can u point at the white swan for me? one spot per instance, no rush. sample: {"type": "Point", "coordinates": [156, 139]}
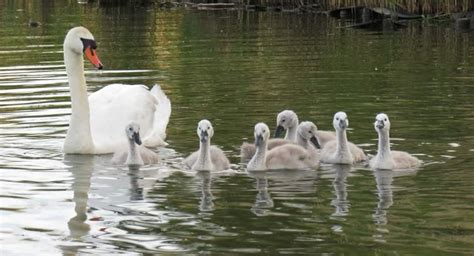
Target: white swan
{"type": "Point", "coordinates": [97, 121]}
{"type": "Point", "coordinates": [341, 151]}
{"type": "Point", "coordinates": [207, 158]}
{"type": "Point", "coordinates": [136, 154]}
{"type": "Point", "coordinates": [386, 158]}
{"type": "Point", "coordinates": [287, 156]}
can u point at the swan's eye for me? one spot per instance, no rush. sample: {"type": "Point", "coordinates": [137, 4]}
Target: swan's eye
{"type": "Point", "coordinates": [208, 128]}
{"type": "Point", "coordinates": [283, 120]}
{"type": "Point", "coordinates": [385, 119]}
{"type": "Point", "coordinates": [337, 118]}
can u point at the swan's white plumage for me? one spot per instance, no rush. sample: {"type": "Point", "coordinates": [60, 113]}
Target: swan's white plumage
{"type": "Point", "coordinates": [97, 121]}
{"type": "Point", "coordinates": [341, 151]}
{"type": "Point", "coordinates": [387, 158]}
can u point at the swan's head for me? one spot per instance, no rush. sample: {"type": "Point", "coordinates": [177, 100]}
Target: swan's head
{"type": "Point", "coordinates": [133, 132]}
{"type": "Point", "coordinates": [261, 133]}
{"type": "Point", "coordinates": [80, 41]}
{"type": "Point", "coordinates": [340, 121]}
{"type": "Point", "coordinates": [205, 130]}
{"type": "Point", "coordinates": [307, 130]}
{"type": "Point", "coordinates": [382, 123]}
{"type": "Point", "coordinates": [285, 120]}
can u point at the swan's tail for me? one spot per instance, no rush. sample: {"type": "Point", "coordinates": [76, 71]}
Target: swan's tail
{"type": "Point", "coordinates": [161, 119]}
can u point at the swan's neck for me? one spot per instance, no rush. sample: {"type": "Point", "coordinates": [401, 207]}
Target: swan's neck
{"type": "Point", "coordinates": [302, 141]}
{"type": "Point", "coordinates": [342, 145]}
{"type": "Point", "coordinates": [204, 157]}
{"type": "Point", "coordinates": [384, 145]}
{"type": "Point", "coordinates": [133, 157]}
{"type": "Point", "coordinates": [78, 138]}
{"type": "Point", "coordinates": [258, 160]}
{"type": "Point", "coordinates": [291, 132]}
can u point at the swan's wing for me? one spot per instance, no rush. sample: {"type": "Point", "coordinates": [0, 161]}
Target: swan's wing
{"type": "Point", "coordinates": [357, 153]}
{"type": "Point", "coordinates": [148, 156]}
{"type": "Point", "coordinates": [328, 151]}
{"type": "Point", "coordinates": [247, 151]}
{"type": "Point", "coordinates": [273, 143]}
{"type": "Point", "coordinates": [287, 156]}
{"type": "Point", "coordinates": [191, 159]}
{"type": "Point", "coordinates": [325, 136]}
{"type": "Point", "coordinates": [219, 160]}
{"type": "Point", "coordinates": [115, 106]}
{"type": "Point", "coordinates": [161, 118]}
{"type": "Point", "coordinates": [120, 157]}
{"type": "Point", "coordinates": [404, 160]}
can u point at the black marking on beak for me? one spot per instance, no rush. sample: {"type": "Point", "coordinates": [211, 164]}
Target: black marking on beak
{"type": "Point", "coordinates": [136, 138]}
{"type": "Point", "coordinates": [258, 140]}
{"type": "Point", "coordinates": [342, 123]}
{"type": "Point", "coordinates": [379, 124]}
{"type": "Point", "coordinates": [279, 130]}
{"type": "Point", "coordinates": [88, 43]}
{"type": "Point", "coordinates": [315, 142]}
{"type": "Point", "coordinates": [204, 136]}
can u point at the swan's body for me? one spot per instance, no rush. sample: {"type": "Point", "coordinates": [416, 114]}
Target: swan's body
{"type": "Point", "coordinates": [325, 137]}
{"type": "Point", "coordinates": [341, 151]}
{"type": "Point", "coordinates": [97, 121]}
{"type": "Point", "coordinates": [386, 158]}
{"type": "Point", "coordinates": [207, 158]}
{"type": "Point", "coordinates": [287, 156]}
{"type": "Point", "coordinates": [136, 154]}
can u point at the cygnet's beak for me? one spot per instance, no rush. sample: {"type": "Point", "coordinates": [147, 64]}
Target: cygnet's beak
{"type": "Point", "coordinates": [315, 142]}
{"type": "Point", "coordinates": [279, 130]}
{"type": "Point", "coordinates": [91, 55]}
{"type": "Point", "coordinates": [379, 124]}
{"type": "Point", "coordinates": [258, 140]}
{"type": "Point", "coordinates": [136, 138]}
{"type": "Point", "coordinates": [204, 136]}
{"type": "Point", "coordinates": [342, 124]}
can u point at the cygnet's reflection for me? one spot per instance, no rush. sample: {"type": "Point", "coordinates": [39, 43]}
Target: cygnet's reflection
{"type": "Point", "coordinates": [340, 202]}
{"type": "Point", "coordinates": [136, 182]}
{"type": "Point", "coordinates": [383, 179]}
{"type": "Point", "coordinates": [206, 201]}
{"type": "Point", "coordinates": [263, 200]}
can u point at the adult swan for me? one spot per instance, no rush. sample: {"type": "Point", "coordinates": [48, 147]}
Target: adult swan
{"type": "Point", "coordinates": [98, 121]}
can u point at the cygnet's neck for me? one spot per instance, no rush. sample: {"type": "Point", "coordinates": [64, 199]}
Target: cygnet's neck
{"type": "Point", "coordinates": [383, 145]}
{"type": "Point", "coordinates": [204, 157]}
{"type": "Point", "coordinates": [78, 138]}
{"type": "Point", "coordinates": [342, 145]}
{"type": "Point", "coordinates": [258, 160]}
{"type": "Point", "coordinates": [291, 131]}
{"type": "Point", "coordinates": [300, 140]}
{"type": "Point", "coordinates": [134, 157]}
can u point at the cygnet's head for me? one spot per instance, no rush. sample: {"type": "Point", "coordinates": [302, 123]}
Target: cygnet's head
{"type": "Point", "coordinates": [205, 130]}
{"type": "Point", "coordinates": [80, 41]}
{"type": "Point", "coordinates": [133, 132]}
{"type": "Point", "coordinates": [261, 133]}
{"type": "Point", "coordinates": [382, 123]}
{"type": "Point", "coordinates": [307, 130]}
{"type": "Point", "coordinates": [285, 120]}
{"type": "Point", "coordinates": [340, 121]}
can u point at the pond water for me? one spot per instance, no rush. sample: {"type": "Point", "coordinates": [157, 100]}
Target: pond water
{"type": "Point", "coordinates": [237, 69]}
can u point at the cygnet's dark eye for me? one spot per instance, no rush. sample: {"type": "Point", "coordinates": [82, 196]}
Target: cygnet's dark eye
{"type": "Point", "coordinates": [130, 129]}
{"type": "Point", "coordinates": [311, 132]}
{"type": "Point", "coordinates": [208, 128]}
{"type": "Point", "coordinates": [337, 118]}
{"type": "Point", "coordinates": [385, 119]}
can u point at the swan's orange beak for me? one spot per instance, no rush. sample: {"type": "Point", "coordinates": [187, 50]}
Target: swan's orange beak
{"type": "Point", "coordinates": [91, 55]}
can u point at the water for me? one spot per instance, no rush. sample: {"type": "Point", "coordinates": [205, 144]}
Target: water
{"type": "Point", "coordinates": [236, 69]}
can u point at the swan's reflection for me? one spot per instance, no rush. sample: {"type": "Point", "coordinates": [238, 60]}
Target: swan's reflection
{"type": "Point", "coordinates": [206, 204]}
{"type": "Point", "coordinates": [340, 202]}
{"type": "Point", "coordinates": [81, 168]}
{"type": "Point", "coordinates": [263, 200]}
{"type": "Point", "coordinates": [383, 179]}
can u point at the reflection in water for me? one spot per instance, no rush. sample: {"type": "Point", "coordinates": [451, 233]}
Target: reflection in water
{"type": "Point", "coordinates": [263, 200]}
{"type": "Point", "coordinates": [384, 179]}
{"type": "Point", "coordinates": [342, 205]}
{"type": "Point", "coordinates": [81, 168]}
{"type": "Point", "coordinates": [206, 204]}
{"type": "Point", "coordinates": [136, 188]}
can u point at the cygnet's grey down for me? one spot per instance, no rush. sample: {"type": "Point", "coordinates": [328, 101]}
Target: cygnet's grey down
{"type": "Point", "coordinates": [287, 156]}
{"type": "Point", "coordinates": [341, 151]}
{"type": "Point", "coordinates": [386, 158]}
{"type": "Point", "coordinates": [287, 120]}
{"type": "Point", "coordinates": [136, 154]}
{"type": "Point", "coordinates": [207, 158]}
